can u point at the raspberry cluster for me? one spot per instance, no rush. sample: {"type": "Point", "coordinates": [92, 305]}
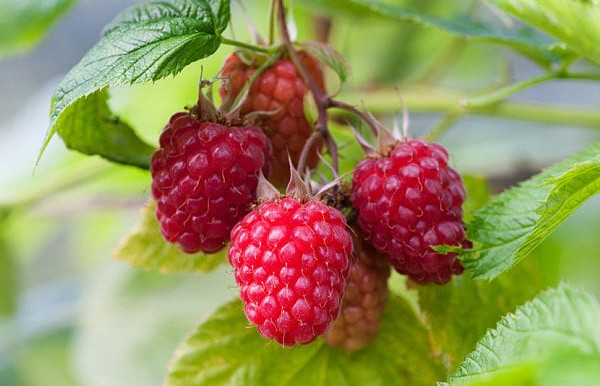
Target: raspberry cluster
{"type": "Point", "coordinates": [301, 270]}
{"type": "Point", "coordinates": [291, 261]}
{"type": "Point", "coordinates": [408, 201]}
{"type": "Point", "coordinates": [278, 92]}
{"type": "Point", "coordinates": [204, 178]}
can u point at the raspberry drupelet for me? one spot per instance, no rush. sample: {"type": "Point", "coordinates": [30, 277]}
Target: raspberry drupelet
{"type": "Point", "coordinates": [204, 178]}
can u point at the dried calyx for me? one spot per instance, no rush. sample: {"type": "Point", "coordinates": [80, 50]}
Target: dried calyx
{"type": "Point", "coordinates": [205, 110]}
{"type": "Point", "coordinates": [386, 140]}
{"type": "Point", "coordinates": [302, 189]}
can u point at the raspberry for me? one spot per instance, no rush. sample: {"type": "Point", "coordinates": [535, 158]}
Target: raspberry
{"type": "Point", "coordinates": [278, 91]}
{"type": "Point", "coordinates": [204, 177]}
{"type": "Point", "coordinates": [364, 299]}
{"type": "Point", "coordinates": [291, 261]}
{"type": "Point", "coordinates": [409, 201]}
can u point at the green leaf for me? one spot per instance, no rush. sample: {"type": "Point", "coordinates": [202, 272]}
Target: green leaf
{"type": "Point", "coordinates": [575, 22]}
{"type": "Point", "coordinates": [511, 225]}
{"type": "Point", "coordinates": [145, 248]}
{"type": "Point", "coordinates": [147, 42]}
{"type": "Point", "coordinates": [559, 322]}
{"type": "Point", "coordinates": [478, 194]}
{"type": "Point", "coordinates": [225, 350]}
{"type": "Point", "coordinates": [569, 191]}
{"type": "Point", "coordinates": [23, 24]}
{"type": "Point", "coordinates": [330, 57]}
{"type": "Point", "coordinates": [524, 40]}
{"type": "Point", "coordinates": [91, 128]}
{"type": "Point", "coordinates": [460, 312]}
{"type": "Point", "coordinates": [8, 281]}
{"type": "Point", "coordinates": [572, 368]}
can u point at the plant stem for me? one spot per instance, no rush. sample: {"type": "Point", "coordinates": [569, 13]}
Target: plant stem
{"type": "Point", "coordinates": [372, 123]}
{"type": "Point", "coordinates": [321, 100]}
{"type": "Point", "coordinates": [248, 46]}
{"type": "Point", "coordinates": [503, 92]}
{"type": "Point", "coordinates": [312, 140]}
{"type": "Point", "coordinates": [436, 100]}
{"type": "Point", "coordinates": [310, 82]}
{"type": "Point", "coordinates": [577, 76]}
{"type": "Point", "coordinates": [553, 115]}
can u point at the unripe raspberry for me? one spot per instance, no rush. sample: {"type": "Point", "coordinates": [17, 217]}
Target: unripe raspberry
{"type": "Point", "coordinates": [279, 92]}
{"type": "Point", "coordinates": [204, 177]}
{"type": "Point", "coordinates": [364, 299]}
{"type": "Point", "coordinates": [291, 261]}
{"type": "Point", "coordinates": [408, 201]}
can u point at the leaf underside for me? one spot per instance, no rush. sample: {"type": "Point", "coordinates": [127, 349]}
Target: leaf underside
{"type": "Point", "coordinates": [574, 22]}
{"type": "Point", "coordinates": [524, 40]}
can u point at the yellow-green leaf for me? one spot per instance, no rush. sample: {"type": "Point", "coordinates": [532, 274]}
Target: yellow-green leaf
{"type": "Point", "coordinates": [145, 248]}
{"type": "Point", "coordinates": [226, 350]}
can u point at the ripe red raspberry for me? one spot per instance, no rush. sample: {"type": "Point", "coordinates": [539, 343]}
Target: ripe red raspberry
{"type": "Point", "coordinates": [204, 177]}
{"type": "Point", "coordinates": [279, 90]}
{"type": "Point", "coordinates": [408, 201]}
{"type": "Point", "coordinates": [291, 263]}
{"type": "Point", "coordinates": [365, 297]}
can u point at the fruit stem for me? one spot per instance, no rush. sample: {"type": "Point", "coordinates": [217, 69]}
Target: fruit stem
{"type": "Point", "coordinates": [248, 46]}
{"type": "Point", "coordinates": [310, 82]}
{"type": "Point", "coordinates": [372, 123]}
{"type": "Point", "coordinates": [310, 142]}
{"type": "Point", "coordinates": [321, 100]}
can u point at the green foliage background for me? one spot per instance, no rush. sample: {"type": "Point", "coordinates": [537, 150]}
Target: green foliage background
{"type": "Point", "coordinates": [71, 315]}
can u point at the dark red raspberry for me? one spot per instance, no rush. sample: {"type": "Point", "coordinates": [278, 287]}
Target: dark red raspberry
{"type": "Point", "coordinates": [279, 91]}
{"type": "Point", "coordinates": [204, 177]}
{"type": "Point", "coordinates": [291, 262]}
{"type": "Point", "coordinates": [365, 297]}
{"type": "Point", "coordinates": [409, 201]}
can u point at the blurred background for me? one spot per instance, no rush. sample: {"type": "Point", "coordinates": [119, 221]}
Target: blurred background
{"type": "Point", "coordinates": [70, 314]}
